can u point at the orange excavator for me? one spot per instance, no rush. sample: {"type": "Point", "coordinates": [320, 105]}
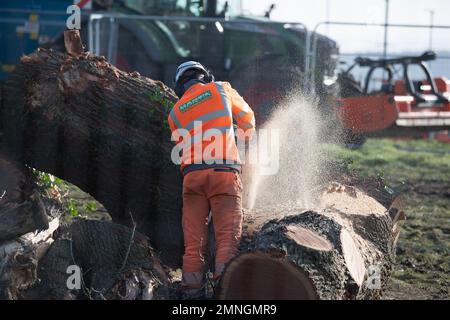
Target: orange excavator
{"type": "Point", "coordinates": [399, 106]}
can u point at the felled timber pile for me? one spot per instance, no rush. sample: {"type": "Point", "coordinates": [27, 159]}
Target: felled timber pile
{"type": "Point", "coordinates": [77, 117]}
{"type": "Point", "coordinates": [37, 250]}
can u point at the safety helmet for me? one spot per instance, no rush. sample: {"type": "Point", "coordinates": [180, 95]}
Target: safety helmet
{"type": "Point", "coordinates": [189, 65]}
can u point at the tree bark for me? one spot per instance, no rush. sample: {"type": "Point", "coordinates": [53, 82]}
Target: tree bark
{"type": "Point", "coordinates": [19, 261]}
{"type": "Point", "coordinates": [21, 208]}
{"type": "Point", "coordinates": [343, 250]}
{"type": "Point", "coordinates": [104, 130]}
{"type": "Point", "coordinates": [72, 42]}
{"type": "Point", "coordinates": [115, 263]}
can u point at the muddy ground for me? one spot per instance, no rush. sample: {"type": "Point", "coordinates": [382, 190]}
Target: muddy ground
{"type": "Point", "coordinates": [418, 169]}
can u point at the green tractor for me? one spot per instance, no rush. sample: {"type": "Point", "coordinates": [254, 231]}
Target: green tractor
{"type": "Point", "coordinates": [262, 59]}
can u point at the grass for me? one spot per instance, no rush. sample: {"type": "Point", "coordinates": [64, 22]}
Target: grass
{"type": "Point", "coordinates": [420, 170]}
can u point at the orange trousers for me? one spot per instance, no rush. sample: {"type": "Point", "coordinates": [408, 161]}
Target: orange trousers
{"type": "Point", "coordinates": [218, 190]}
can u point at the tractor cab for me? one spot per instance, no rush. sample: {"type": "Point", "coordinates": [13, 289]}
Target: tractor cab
{"type": "Point", "coordinates": [186, 31]}
{"type": "Point", "coordinates": [396, 96]}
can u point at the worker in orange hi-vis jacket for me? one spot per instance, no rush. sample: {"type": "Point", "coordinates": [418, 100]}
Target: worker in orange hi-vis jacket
{"type": "Point", "coordinates": [202, 126]}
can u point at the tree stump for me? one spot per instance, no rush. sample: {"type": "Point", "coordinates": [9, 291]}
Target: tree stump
{"type": "Point", "coordinates": [343, 250]}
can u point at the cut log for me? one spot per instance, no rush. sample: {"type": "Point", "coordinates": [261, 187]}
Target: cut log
{"type": "Point", "coordinates": [83, 120]}
{"type": "Point", "coordinates": [343, 250]}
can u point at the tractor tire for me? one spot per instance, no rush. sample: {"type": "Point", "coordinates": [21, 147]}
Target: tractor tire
{"type": "Point", "coordinates": [265, 83]}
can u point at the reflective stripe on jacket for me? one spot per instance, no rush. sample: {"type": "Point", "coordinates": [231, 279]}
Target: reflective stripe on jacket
{"type": "Point", "coordinates": [205, 116]}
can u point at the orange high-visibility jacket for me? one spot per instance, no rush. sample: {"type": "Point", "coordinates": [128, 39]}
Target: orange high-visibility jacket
{"type": "Point", "coordinates": [202, 125]}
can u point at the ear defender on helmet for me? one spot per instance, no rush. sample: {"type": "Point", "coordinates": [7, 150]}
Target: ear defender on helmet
{"type": "Point", "coordinates": [179, 90]}
{"type": "Point", "coordinates": [209, 77]}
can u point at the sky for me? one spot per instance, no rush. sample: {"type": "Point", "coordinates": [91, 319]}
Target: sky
{"type": "Point", "coordinates": [366, 38]}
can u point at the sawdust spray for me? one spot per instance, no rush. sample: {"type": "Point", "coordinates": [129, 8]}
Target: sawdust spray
{"type": "Point", "coordinates": [300, 166]}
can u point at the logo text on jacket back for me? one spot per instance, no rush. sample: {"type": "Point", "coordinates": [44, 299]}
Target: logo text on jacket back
{"type": "Point", "coordinates": [197, 100]}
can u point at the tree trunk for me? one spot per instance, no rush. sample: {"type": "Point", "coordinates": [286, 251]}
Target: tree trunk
{"type": "Point", "coordinates": [343, 250]}
{"type": "Point", "coordinates": [104, 130]}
